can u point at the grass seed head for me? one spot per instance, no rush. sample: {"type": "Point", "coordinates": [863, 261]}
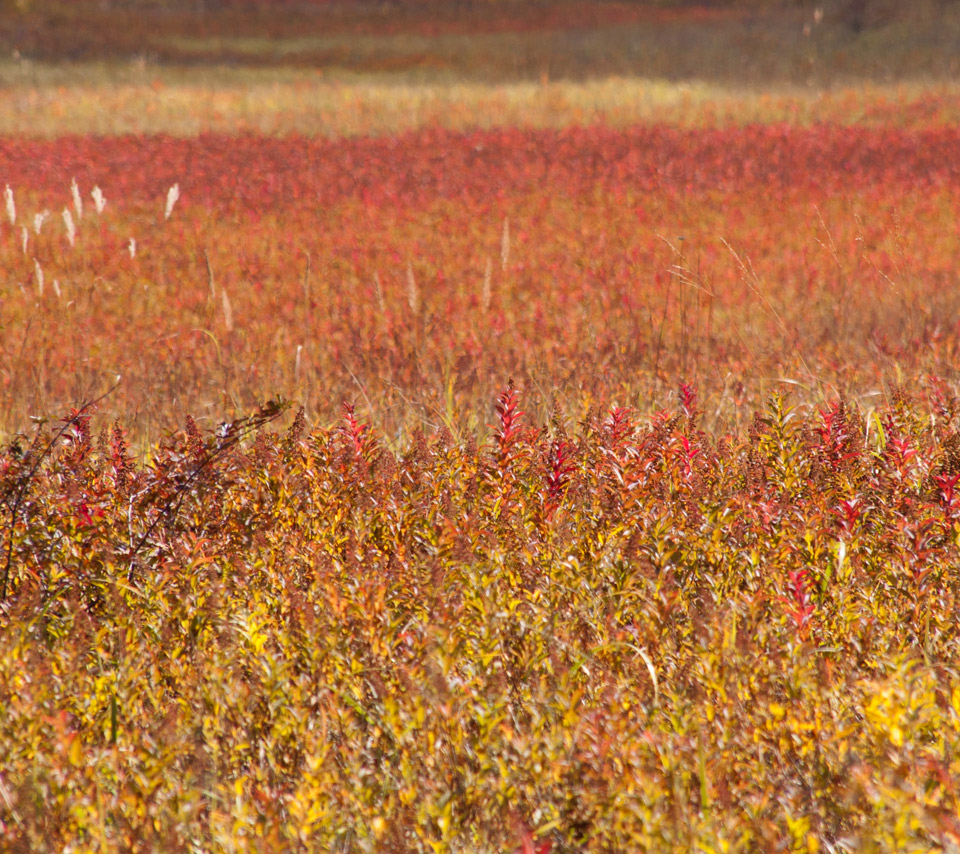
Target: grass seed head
{"type": "Point", "coordinates": [413, 293]}
{"type": "Point", "coordinates": [77, 199]}
{"type": "Point", "coordinates": [99, 202]}
{"type": "Point", "coordinates": [227, 310]}
{"type": "Point", "coordinates": [11, 206]}
{"type": "Point", "coordinates": [70, 227]}
{"type": "Point", "coordinates": [172, 195]}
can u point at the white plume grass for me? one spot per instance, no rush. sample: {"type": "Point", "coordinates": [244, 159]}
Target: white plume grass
{"type": "Point", "coordinates": [172, 195]}
{"type": "Point", "coordinates": [11, 207]}
{"type": "Point", "coordinates": [77, 200]}
{"type": "Point", "coordinates": [70, 227]}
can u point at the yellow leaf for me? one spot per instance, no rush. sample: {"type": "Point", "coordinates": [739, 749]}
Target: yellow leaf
{"type": "Point", "coordinates": [75, 751]}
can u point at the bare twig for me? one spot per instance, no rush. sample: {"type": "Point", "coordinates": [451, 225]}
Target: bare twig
{"type": "Point", "coordinates": [228, 437]}
{"type": "Point", "coordinates": [23, 483]}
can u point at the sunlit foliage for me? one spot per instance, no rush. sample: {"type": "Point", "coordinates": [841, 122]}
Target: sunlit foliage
{"type": "Point", "coordinates": [617, 507]}
{"type": "Point", "coordinates": [621, 634]}
{"type": "Point", "coordinates": [415, 274]}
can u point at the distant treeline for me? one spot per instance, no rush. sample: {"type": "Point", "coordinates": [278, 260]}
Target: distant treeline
{"type": "Point", "coordinates": [856, 14]}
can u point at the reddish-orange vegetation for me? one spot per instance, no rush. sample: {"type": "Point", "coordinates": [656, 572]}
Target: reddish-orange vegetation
{"type": "Point", "coordinates": [415, 273]}
{"type": "Point", "coordinates": [689, 584]}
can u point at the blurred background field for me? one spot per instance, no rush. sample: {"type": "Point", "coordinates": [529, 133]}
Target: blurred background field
{"type": "Point", "coordinates": [363, 67]}
{"type": "Point", "coordinates": [47, 101]}
{"type": "Point", "coordinates": [757, 42]}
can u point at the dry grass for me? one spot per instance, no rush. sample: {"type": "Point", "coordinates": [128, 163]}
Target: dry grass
{"type": "Point", "coordinates": [50, 101]}
{"type": "Point", "coordinates": [351, 70]}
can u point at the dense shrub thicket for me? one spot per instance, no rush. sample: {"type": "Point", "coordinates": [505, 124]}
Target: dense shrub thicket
{"type": "Point", "coordinates": [619, 635]}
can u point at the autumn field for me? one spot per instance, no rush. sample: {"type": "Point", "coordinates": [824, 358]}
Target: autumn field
{"type": "Point", "coordinates": [399, 456]}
